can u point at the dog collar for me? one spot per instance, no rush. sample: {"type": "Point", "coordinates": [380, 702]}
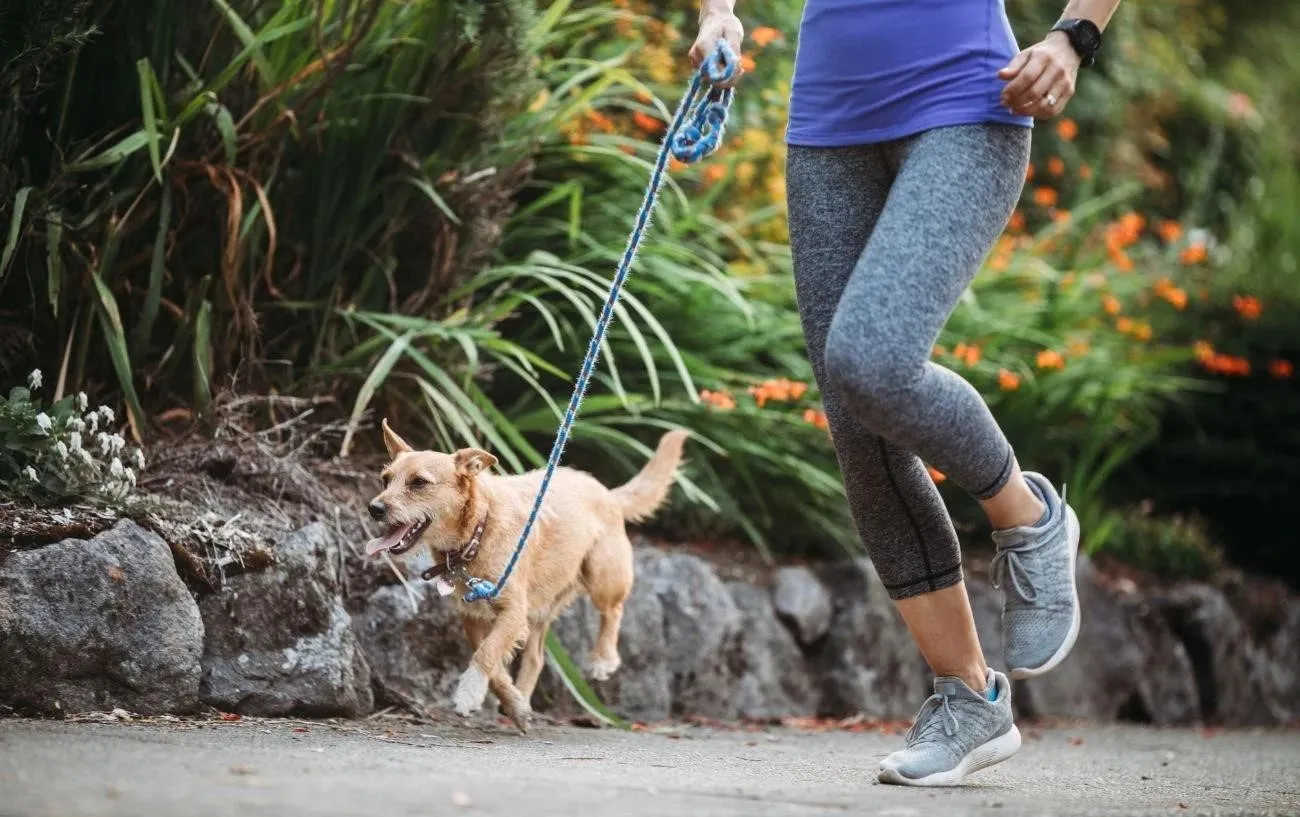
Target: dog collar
{"type": "Point", "coordinates": [456, 560]}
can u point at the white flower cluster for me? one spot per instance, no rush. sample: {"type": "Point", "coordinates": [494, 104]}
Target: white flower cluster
{"type": "Point", "coordinates": [82, 458]}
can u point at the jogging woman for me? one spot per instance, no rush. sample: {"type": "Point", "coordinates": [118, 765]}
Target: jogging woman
{"type": "Point", "coordinates": [908, 143]}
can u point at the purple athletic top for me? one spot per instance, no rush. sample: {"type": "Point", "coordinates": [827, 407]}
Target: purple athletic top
{"type": "Point", "coordinates": [873, 70]}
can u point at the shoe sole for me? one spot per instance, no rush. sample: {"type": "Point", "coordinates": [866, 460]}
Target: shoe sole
{"type": "Point", "coordinates": [981, 757]}
{"type": "Point", "coordinates": [1021, 673]}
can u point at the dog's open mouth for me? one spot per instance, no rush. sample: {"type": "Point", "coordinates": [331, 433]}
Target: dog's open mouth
{"type": "Point", "coordinates": [399, 539]}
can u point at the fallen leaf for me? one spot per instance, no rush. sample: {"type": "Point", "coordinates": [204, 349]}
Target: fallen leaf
{"type": "Point", "coordinates": [241, 769]}
{"type": "Point", "coordinates": [231, 716]}
{"type": "Point", "coordinates": [301, 729]}
{"type": "Point", "coordinates": [1182, 806]}
{"type": "Point", "coordinates": [1076, 741]}
{"type": "Point", "coordinates": [115, 573]}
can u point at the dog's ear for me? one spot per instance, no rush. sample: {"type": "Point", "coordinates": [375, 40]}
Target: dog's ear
{"type": "Point", "coordinates": [395, 444]}
{"type": "Point", "coordinates": [470, 461]}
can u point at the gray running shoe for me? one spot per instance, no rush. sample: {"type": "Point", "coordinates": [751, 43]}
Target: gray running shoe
{"type": "Point", "coordinates": [957, 732]}
{"type": "Point", "coordinates": [1034, 567]}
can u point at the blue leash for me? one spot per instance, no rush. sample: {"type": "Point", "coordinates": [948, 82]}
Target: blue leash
{"type": "Point", "coordinates": [695, 132]}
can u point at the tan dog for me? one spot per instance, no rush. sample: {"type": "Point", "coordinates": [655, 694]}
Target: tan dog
{"type": "Point", "coordinates": [470, 518]}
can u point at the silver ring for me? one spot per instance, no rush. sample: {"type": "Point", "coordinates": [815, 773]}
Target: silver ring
{"type": "Point", "coordinates": [1051, 101]}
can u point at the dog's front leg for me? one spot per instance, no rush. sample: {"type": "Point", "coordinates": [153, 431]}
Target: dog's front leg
{"type": "Point", "coordinates": [488, 665]}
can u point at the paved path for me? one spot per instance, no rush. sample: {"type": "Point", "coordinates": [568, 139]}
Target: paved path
{"type": "Point", "coordinates": [288, 768]}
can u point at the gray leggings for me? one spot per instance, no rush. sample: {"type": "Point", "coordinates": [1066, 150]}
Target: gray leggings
{"type": "Point", "coordinates": [885, 239]}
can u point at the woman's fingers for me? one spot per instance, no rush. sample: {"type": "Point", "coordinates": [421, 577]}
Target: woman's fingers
{"type": "Point", "coordinates": [1039, 86]}
{"type": "Point", "coordinates": [1033, 100]}
{"type": "Point", "coordinates": [712, 29]}
{"type": "Point", "coordinates": [1024, 78]}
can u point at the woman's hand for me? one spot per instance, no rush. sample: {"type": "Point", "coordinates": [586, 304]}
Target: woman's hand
{"type": "Point", "coordinates": [1040, 79]}
{"type": "Point", "coordinates": [718, 25]}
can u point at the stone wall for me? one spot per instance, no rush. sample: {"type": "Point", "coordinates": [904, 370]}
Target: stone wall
{"type": "Point", "coordinates": [106, 622]}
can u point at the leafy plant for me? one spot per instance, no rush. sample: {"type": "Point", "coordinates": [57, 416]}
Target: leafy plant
{"type": "Point", "coordinates": [63, 452]}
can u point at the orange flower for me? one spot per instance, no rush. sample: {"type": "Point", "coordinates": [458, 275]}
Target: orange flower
{"type": "Point", "coordinates": [1194, 254]}
{"type": "Point", "coordinates": [1056, 166]}
{"type": "Point", "coordinates": [935, 474]}
{"type": "Point", "coordinates": [719, 400]}
{"type": "Point", "coordinates": [1170, 231]}
{"type": "Point", "coordinates": [779, 390]}
{"type": "Point", "coordinates": [1029, 172]}
{"type": "Point", "coordinates": [1045, 197]}
{"type": "Point", "coordinates": [1239, 105]}
{"type": "Point", "coordinates": [938, 351]}
{"type": "Point", "coordinates": [1125, 325]}
{"type": "Point", "coordinates": [1085, 172]}
{"type": "Point", "coordinates": [1281, 369]}
{"type": "Point", "coordinates": [715, 173]}
{"type": "Point", "coordinates": [764, 36]}
{"type": "Point", "coordinates": [1203, 351]}
{"type": "Point", "coordinates": [815, 418]}
{"type": "Point", "coordinates": [1142, 331]}
{"type": "Point", "coordinates": [747, 63]}
{"type": "Point", "coordinates": [675, 164]}
{"type": "Point", "coordinates": [1176, 297]}
{"type": "Point", "coordinates": [1008, 381]}
{"type": "Point", "coordinates": [1067, 129]}
{"type": "Point", "coordinates": [1111, 304]}
{"type": "Point", "coordinates": [970, 355]}
{"type": "Point", "coordinates": [1050, 359]}
{"type": "Point", "coordinates": [1247, 306]}
{"type": "Point", "coordinates": [600, 121]}
{"type": "Point", "coordinates": [1079, 348]}
{"type": "Point", "coordinates": [1229, 365]}
{"type": "Point", "coordinates": [1061, 216]}
{"type": "Point", "coordinates": [647, 123]}
{"type": "Point", "coordinates": [1017, 222]}
{"type": "Point", "coordinates": [1122, 261]}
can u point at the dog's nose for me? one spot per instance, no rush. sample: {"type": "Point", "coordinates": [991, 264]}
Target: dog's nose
{"type": "Point", "coordinates": [378, 510]}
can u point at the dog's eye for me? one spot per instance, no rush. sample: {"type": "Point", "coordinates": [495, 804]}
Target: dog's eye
{"type": "Point", "coordinates": [384, 479]}
{"type": "Point", "coordinates": [417, 483]}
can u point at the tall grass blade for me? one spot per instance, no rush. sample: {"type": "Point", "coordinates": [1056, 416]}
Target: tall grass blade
{"type": "Point", "coordinates": [15, 229]}
{"type": "Point", "coordinates": [571, 676]}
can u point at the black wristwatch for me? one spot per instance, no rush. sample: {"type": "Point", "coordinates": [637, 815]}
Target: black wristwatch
{"type": "Point", "coordinates": [1084, 37]}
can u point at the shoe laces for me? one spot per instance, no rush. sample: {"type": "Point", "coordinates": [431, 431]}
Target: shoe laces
{"type": "Point", "coordinates": [936, 714]}
{"type": "Point", "coordinates": [1008, 564]}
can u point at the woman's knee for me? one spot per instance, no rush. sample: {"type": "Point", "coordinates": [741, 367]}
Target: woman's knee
{"type": "Point", "coordinates": [868, 372]}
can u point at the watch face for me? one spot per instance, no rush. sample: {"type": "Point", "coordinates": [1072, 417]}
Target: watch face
{"type": "Point", "coordinates": [1089, 36]}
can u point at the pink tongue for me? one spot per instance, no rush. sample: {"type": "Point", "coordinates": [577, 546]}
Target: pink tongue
{"type": "Point", "coordinates": [385, 542]}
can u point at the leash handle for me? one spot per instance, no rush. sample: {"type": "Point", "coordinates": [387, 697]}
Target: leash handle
{"type": "Point", "coordinates": [695, 132]}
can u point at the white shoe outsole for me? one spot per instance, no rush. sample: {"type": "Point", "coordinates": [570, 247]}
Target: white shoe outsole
{"type": "Point", "coordinates": [981, 757]}
{"type": "Point", "coordinates": [1021, 673]}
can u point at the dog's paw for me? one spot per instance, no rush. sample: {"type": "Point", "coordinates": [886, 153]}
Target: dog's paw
{"type": "Point", "coordinates": [470, 692]}
{"type": "Point", "coordinates": [599, 668]}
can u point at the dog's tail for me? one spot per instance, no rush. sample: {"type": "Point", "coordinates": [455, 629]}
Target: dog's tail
{"type": "Point", "coordinates": [645, 492]}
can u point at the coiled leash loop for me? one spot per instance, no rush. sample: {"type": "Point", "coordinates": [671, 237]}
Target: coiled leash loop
{"type": "Point", "coordinates": [695, 132]}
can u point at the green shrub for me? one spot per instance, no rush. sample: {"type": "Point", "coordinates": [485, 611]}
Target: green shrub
{"type": "Point", "coordinates": [63, 452]}
{"type": "Point", "coordinates": [1172, 547]}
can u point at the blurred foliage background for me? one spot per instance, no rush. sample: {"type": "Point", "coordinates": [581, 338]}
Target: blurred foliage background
{"type": "Point", "coordinates": [415, 207]}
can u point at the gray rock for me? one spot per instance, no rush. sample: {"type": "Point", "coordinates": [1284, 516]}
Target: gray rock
{"type": "Point", "coordinates": [701, 632]}
{"type": "Point", "coordinates": [1126, 665]}
{"type": "Point", "coordinates": [775, 681]}
{"type": "Point", "coordinates": [642, 688]}
{"type": "Point", "coordinates": [279, 641]}
{"type": "Point", "coordinates": [414, 655]}
{"type": "Point", "coordinates": [97, 624]}
{"type": "Point", "coordinates": [867, 663]}
{"type": "Point", "coordinates": [1282, 650]}
{"type": "Point", "coordinates": [1231, 670]}
{"type": "Point", "coordinates": [802, 602]}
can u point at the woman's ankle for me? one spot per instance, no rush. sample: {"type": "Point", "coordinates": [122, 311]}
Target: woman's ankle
{"type": "Point", "coordinates": [1016, 505]}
